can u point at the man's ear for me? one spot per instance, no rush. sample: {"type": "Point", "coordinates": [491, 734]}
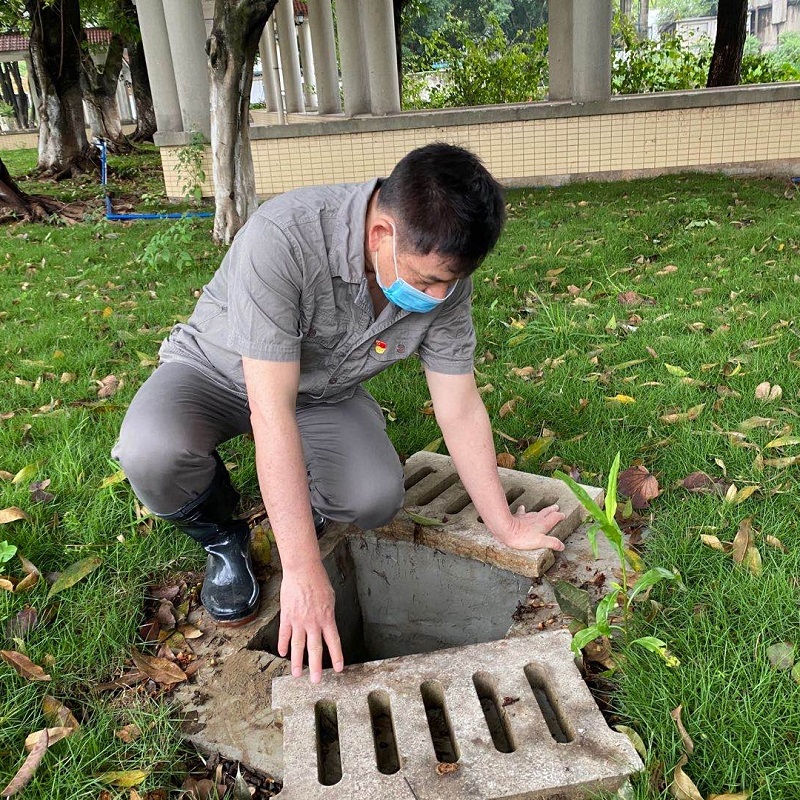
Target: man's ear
{"type": "Point", "coordinates": [380, 226]}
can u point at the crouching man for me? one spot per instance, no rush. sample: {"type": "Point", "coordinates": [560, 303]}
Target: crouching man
{"type": "Point", "coordinates": [323, 288]}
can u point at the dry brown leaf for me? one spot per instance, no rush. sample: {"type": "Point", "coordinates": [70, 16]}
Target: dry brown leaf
{"type": "Point", "coordinates": [728, 796]}
{"type": "Point", "coordinates": [688, 744]}
{"type": "Point", "coordinates": [508, 407]}
{"type": "Point", "coordinates": [53, 735]}
{"type": "Point", "coordinates": [446, 768]}
{"type": "Point", "coordinates": [6, 476]}
{"type": "Point", "coordinates": [11, 514]}
{"type": "Point", "coordinates": [752, 561]}
{"type": "Point", "coordinates": [768, 393]}
{"type": "Point", "coordinates": [787, 461]}
{"type": "Point", "coordinates": [24, 666]}
{"type": "Point", "coordinates": [713, 542]}
{"type": "Point", "coordinates": [108, 386]}
{"type": "Point", "coordinates": [743, 539]}
{"type": "Point", "coordinates": [638, 484]}
{"type": "Point", "coordinates": [57, 714]}
{"type": "Point", "coordinates": [161, 670]}
{"type": "Point", "coordinates": [629, 298]}
{"type": "Point", "coordinates": [698, 482]}
{"type": "Point", "coordinates": [668, 270]}
{"type": "Point", "coordinates": [506, 460]}
{"type": "Point", "coordinates": [684, 416]}
{"type": "Point", "coordinates": [31, 575]}
{"type": "Point", "coordinates": [29, 767]}
{"type": "Point", "coordinates": [128, 733]}
{"type": "Point", "coordinates": [774, 541]}
{"type": "Point", "coordinates": [682, 786]}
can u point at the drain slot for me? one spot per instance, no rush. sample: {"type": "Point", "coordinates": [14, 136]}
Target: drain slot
{"type": "Point", "coordinates": [441, 730]}
{"type": "Point", "coordinates": [438, 488]}
{"type": "Point", "coordinates": [459, 504]}
{"type": "Point", "coordinates": [387, 758]}
{"type": "Point", "coordinates": [548, 705]}
{"type": "Point", "coordinates": [493, 711]}
{"type": "Point", "coordinates": [416, 477]}
{"type": "Point", "coordinates": [329, 757]}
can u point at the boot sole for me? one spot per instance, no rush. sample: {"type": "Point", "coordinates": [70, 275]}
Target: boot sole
{"type": "Point", "coordinates": [235, 623]}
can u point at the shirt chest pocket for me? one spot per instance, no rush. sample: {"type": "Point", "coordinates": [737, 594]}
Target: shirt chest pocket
{"type": "Point", "coordinates": [324, 332]}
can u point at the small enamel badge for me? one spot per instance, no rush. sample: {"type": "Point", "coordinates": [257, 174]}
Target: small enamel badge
{"type": "Point", "coordinates": [380, 347]}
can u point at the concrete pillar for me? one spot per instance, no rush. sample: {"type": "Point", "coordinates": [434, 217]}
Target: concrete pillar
{"type": "Point", "coordinates": [272, 68]}
{"type": "Point", "coordinates": [559, 51]}
{"type": "Point", "coordinates": [323, 46]}
{"type": "Point", "coordinates": [352, 51]}
{"type": "Point", "coordinates": [158, 56]}
{"type": "Point", "coordinates": [290, 58]}
{"type": "Point", "coordinates": [307, 58]}
{"type": "Point", "coordinates": [378, 28]}
{"type": "Point", "coordinates": [579, 34]}
{"type": "Point", "coordinates": [591, 50]}
{"type": "Point", "coordinates": [272, 98]}
{"type": "Point", "coordinates": [186, 28]}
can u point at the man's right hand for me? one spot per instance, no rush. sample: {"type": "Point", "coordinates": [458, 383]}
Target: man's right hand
{"type": "Point", "coordinates": [307, 618]}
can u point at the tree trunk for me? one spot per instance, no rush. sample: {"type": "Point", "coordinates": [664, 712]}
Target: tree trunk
{"type": "Point", "coordinates": [16, 205]}
{"type": "Point", "coordinates": [145, 112]}
{"type": "Point", "coordinates": [231, 49]}
{"type": "Point", "coordinates": [99, 84]}
{"type": "Point", "coordinates": [7, 95]}
{"type": "Point", "coordinates": [626, 7]}
{"type": "Point", "coordinates": [55, 55]}
{"type": "Point", "coordinates": [25, 116]}
{"type": "Point", "coordinates": [726, 63]}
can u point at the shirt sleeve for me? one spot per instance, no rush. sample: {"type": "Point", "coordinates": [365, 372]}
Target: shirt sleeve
{"type": "Point", "coordinates": [264, 287]}
{"type": "Point", "coordinates": [449, 344]}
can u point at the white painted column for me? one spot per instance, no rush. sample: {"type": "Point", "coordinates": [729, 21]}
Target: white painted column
{"type": "Point", "coordinates": [352, 51]}
{"type": "Point", "coordinates": [323, 46]}
{"type": "Point", "coordinates": [270, 65]}
{"type": "Point", "coordinates": [378, 31]}
{"type": "Point", "coordinates": [307, 64]}
{"type": "Point", "coordinates": [579, 34]}
{"type": "Point", "coordinates": [186, 29]}
{"type": "Point", "coordinates": [158, 56]}
{"type": "Point", "coordinates": [290, 58]}
{"type": "Point", "coordinates": [271, 99]}
{"type": "Point", "coordinates": [591, 50]}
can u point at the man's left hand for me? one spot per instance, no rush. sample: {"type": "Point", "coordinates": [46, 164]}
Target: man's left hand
{"type": "Point", "coordinates": [528, 530]}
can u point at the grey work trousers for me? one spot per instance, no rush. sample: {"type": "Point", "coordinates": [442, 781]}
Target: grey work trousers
{"type": "Point", "coordinates": [179, 416]}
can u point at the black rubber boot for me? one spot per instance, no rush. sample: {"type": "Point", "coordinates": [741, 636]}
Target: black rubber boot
{"type": "Point", "coordinates": [230, 591]}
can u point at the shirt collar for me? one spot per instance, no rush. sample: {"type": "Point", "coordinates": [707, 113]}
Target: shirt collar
{"type": "Point", "coordinates": [347, 252]}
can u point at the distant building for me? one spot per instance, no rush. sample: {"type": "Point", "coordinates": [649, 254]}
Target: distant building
{"type": "Point", "coordinates": [767, 19]}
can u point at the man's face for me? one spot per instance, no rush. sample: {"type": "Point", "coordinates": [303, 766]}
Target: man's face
{"type": "Point", "coordinates": [430, 273]}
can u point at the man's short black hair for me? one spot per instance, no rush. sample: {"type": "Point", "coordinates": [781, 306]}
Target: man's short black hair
{"type": "Point", "coordinates": [445, 201]}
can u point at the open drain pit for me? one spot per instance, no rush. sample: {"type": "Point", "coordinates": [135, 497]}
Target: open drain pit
{"type": "Point", "coordinates": [394, 598]}
{"type": "Point", "coordinates": [446, 694]}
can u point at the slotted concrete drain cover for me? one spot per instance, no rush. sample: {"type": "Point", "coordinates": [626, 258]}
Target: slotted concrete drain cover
{"type": "Point", "coordinates": [434, 490]}
{"type": "Point", "coordinates": [506, 719]}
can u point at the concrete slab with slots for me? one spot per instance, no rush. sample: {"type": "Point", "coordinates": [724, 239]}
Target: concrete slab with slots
{"type": "Point", "coordinates": [403, 589]}
{"type": "Point", "coordinates": [511, 718]}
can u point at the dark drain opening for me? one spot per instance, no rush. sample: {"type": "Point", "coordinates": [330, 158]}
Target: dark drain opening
{"type": "Point", "coordinates": [439, 725]}
{"type": "Point", "coordinates": [493, 711]}
{"type": "Point", "coordinates": [416, 477]}
{"type": "Point", "coordinates": [329, 757]}
{"type": "Point", "coordinates": [548, 705]}
{"type": "Point", "coordinates": [383, 736]}
{"type": "Point", "coordinates": [440, 487]}
{"type": "Point", "coordinates": [395, 598]}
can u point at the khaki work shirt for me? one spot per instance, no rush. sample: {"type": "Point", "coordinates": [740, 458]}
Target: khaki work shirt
{"type": "Point", "coordinates": [292, 287]}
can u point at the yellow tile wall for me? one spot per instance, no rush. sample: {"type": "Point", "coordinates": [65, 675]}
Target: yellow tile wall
{"type": "Point", "coordinates": [539, 150]}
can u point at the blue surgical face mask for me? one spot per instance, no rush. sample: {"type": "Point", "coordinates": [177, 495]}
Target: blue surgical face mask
{"type": "Point", "coordinates": [403, 294]}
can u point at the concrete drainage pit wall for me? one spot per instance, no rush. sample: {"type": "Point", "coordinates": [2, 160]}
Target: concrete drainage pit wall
{"type": "Point", "coordinates": [395, 598]}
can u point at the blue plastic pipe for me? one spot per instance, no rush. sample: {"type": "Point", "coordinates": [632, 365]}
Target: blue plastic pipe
{"type": "Point", "coordinates": [111, 215]}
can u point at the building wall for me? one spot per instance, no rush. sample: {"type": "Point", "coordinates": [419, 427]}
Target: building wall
{"type": "Point", "coordinates": [753, 130]}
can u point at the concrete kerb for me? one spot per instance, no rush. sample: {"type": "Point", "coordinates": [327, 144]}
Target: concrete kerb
{"type": "Point", "coordinates": [228, 708]}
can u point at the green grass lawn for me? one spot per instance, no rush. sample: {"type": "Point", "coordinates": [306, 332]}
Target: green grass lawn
{"type": "Point", "coordinates": [714, 263]}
